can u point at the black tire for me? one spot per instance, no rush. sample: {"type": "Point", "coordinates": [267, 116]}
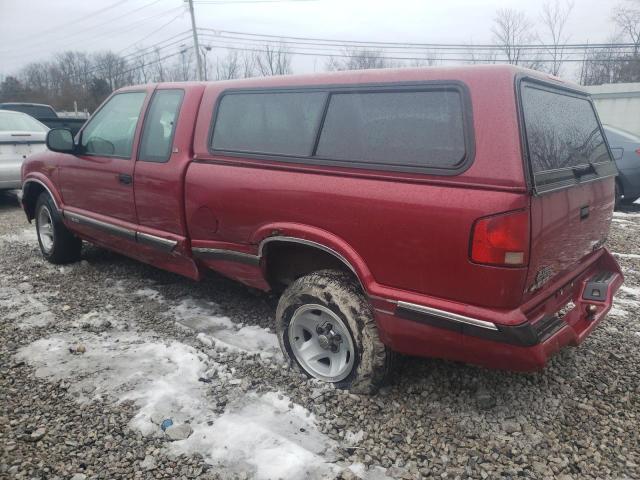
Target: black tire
{"type": "Point", "coordinates": [340, 293]}
{"type": "Point", "coordinates": [65, 247]}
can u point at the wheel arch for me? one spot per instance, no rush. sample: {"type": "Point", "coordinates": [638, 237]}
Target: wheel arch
{"type": "Point", "coordinates": [312, 253]}
{"type": "Point", "coordinates": [31, 190]}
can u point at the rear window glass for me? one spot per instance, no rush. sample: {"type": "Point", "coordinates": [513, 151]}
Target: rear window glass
{"type": "Point", "coordinates": [19, 122]}
{"type": "Point", "coordinates": [562, 130]}
{"type": "Point", "coordinates": [36, 111]}
{"type": "Point", "coordinates": [268, 123]}
{"type": "Point", "coordinates": [417, 129]}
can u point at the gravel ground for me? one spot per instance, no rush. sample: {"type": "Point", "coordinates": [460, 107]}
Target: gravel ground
{"type": "Point", "coordinates": [94, 355]}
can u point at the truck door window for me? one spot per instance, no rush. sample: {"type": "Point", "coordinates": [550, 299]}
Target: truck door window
{"type": "Point", "coordinates": [111, 130]}
{"type": "Point", "coordinates": [159, 126]}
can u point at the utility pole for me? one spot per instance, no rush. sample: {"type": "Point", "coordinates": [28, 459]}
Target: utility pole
{"type": "Point", "coordinates": [195, 39]}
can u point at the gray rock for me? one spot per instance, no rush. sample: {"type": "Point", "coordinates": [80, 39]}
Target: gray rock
{"type": "Point", "coordinates": [179, 432]}
{"type": "Point", "coordinates": [485, 400]}
{"type": "Point", "coordinates": [37, 434]}
{"type": "Point", "coordinates": [511, 427]}
{"type": "Point", "coordinates": [149, 463]}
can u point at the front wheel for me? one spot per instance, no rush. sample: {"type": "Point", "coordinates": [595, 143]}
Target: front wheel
{"type": "Point", "coordinates": [57, 244]}
{"type": "Point", "coordinates": [326, 327]}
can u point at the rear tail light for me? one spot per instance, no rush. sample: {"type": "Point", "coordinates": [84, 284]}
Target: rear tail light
{"type": "Point", "coordinates": [501, 239]}
{"type": "Point", "coordinates": [638, 151]}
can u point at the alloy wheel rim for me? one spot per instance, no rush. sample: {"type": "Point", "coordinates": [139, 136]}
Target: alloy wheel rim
{"type": "Point", "coordinates": [321, 343]}
{"type": "Point", "coordinates": [45, 229]}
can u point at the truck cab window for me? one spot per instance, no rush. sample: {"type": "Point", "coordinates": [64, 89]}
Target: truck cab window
{"type": "Point", "coordinates": [111, 130]}
{"type": "Point", "coordinates": [159, 126]}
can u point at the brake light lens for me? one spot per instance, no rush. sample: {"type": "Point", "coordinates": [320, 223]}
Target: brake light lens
{"type": "Point", "coordinates": [638, 152]}
{"type": "Point", "coordinates": [501, 239]}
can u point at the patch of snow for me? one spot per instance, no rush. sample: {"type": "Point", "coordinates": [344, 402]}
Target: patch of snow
{"type": "Point", "coordinates": [220, 332]}
{"type": "Point", "coordinates": [199, 315]}
{"type": "Point", "coordinates": [259, 434]}
{"type": "Point", "coordinates": [617, 312]}
{"type": "Point", "coordinates": [156, 375]}
{"type": "Point", "coordinates": [626, 255]}
{"type": "Point", "coordinates": [150, 293]}
{"type": "Point", "coordinates": [26, 309]}
{"type": "Point", "coordinates": [262, 436]}
{"type": "Point", "coordinates": [95, 319]}
{"type": "Point", "coordinates": [352, 438]}
{"type": "Point", "coordinates": [625, 215]}
{"type": "Point", "coordinates": [26, 236]}
{"type": "Point", "coordinates": [373, 473]}
{"type": "Point", "coordinates": [633, 292]}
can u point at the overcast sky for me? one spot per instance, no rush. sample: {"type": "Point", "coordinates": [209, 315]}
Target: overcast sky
{"type": "Point", "coordinates": [31, 30]}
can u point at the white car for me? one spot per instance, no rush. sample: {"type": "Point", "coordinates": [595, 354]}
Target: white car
{"type": "Point", "coordinates": [20, 136]}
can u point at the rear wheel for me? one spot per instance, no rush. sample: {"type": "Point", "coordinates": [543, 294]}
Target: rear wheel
{"type": "Point", "coordinates": [57, 244]}
{"type": "Point", "coordinates": [326, 328]}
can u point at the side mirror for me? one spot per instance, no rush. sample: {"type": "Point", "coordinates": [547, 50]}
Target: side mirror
{"type": "Point", "coordinates": [60, 140]}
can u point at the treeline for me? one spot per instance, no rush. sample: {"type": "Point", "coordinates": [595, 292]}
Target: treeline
{"type": "Point", "coordinates": [84, 80]}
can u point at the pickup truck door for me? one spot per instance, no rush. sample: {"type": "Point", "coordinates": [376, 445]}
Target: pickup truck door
{"type": "Point", "coordinates": [97, 183]}
{"type": "Point", "coordinates": [164, 154]}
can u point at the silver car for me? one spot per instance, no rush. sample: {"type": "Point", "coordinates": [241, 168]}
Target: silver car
{"type": "Point", "coordinates": [625, 147]}
{"type": "Point", "coordinates": [20, 136]}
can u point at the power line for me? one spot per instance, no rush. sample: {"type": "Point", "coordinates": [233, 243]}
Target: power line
{"type": "Point", "coordinates": [412, 44]}
{"type": "Point", "coordinates": [40, 42]}
{"type": "Point", "coordinates": [158, 60]}
{"type": "Point", "coordinates": [120, 28]}
{"type": "Point", "coordinates": [155, 30]}
{"type": "Point", "coordinates": [402, 58]}
{"type": "Point", "coordinates": [66, 24]}
{"type": "Point", "coordinates": [328, 46]}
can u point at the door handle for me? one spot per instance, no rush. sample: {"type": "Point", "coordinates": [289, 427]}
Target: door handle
{"type": "Point", "coordinates": [124, 178]}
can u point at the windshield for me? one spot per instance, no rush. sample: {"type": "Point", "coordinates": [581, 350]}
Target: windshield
{"type": "Point", "coordinates": [19, 122]}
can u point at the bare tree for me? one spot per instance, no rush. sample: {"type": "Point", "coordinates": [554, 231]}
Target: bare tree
{"type": "Point", "coordinates": [248, 65]}
{"type": "Point", "coordinates": [511, 30]}
{"type": "Point", "coordinates": [430, 59]}
{"type": "Point", "coordinates": [602, 65]}
{"type": "Point", "coordinates": [273, 60]}
{"type": "Point", "coordinates": [481, 56]}
{"type": "Point", "coordinates": [554, 18]}
{"type": "Point", "coordinates": [628, 20]}
{"type": "Point", "coordinates": [229, 67]}
{"type": "Point", "coordinates": [359, 59]}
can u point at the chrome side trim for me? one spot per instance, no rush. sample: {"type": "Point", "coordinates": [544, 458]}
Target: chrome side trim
{"type": "Point", "coordinates": [163, 244]}
{"type": "Point", "coordinates": [447, 315]}
{"type": "Point", "coordinates": [304, 242]}
{"type": "Point", "coordinates": [100, 225]}
{"type": "Point", "coordinates": [223, 254]}
{"type": "Point", "coordinates": [45, 187]}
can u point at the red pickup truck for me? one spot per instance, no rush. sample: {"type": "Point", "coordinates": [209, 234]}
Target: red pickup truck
{"type": "Point", "coordinates": [457, 213]}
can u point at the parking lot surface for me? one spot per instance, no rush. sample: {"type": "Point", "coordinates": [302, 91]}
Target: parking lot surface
{"type": "Point", "coordinates": [113, 369]}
